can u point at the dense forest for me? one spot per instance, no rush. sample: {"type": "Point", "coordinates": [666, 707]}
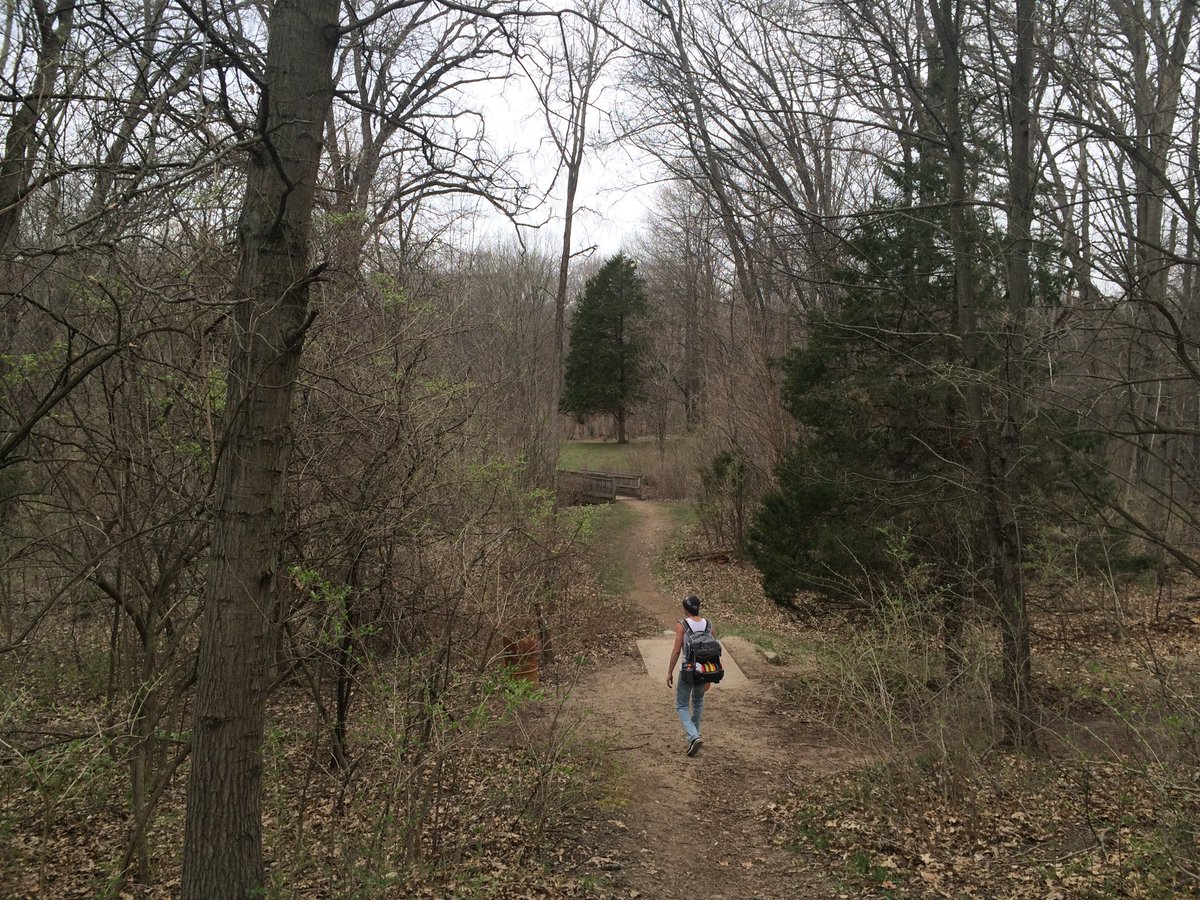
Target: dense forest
{"type": "Point", "coordinates": [298, 340]}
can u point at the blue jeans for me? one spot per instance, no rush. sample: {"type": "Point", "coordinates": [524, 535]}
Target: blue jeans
{"type": "Point", "coordinates": [689, 695]}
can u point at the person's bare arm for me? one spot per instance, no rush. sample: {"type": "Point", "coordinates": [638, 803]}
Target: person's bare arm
{"type": "Point", "coordinates": [675, 654]}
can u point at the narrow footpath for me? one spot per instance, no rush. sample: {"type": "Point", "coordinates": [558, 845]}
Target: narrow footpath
{"type": "Point", "coordinates": [683, 827]}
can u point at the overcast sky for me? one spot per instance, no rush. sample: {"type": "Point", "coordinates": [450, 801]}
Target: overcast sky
{"type": "Point", "coordinates": [617, 185]}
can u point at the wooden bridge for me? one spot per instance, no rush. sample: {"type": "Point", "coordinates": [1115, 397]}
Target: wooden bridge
{"type": "Point", "coordinates": [596, 487]}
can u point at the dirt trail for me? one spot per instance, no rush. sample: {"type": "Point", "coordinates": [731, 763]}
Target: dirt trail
{"type": "Point", "coordinates": [691, 827]}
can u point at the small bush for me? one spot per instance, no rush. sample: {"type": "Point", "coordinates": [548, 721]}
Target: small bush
{"type": "Point", "coordinates": [885, 683]}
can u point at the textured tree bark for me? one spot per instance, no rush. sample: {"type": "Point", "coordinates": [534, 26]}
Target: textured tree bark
{"type": "Point", "coordinates": [223, 831]}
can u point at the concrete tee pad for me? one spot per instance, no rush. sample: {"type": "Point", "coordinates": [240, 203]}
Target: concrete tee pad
{"type": "Point", "coordinates": [656, 653]}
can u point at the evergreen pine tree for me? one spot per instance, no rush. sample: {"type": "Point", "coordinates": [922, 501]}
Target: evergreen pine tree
{"type": "Point", "coordinates": [604, 366]}
{"type": "Point", "coordinates": [881, 473]}
{"type": "Point", "coordinates": [873, 394]}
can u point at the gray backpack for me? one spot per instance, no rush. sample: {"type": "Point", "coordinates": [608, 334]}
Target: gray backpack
{"type": "Point", "coordinates": [701, 654]}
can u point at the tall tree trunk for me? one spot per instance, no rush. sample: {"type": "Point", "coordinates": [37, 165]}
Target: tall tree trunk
{"type": "Point", "coordinates": [223, 831]}
{"type": "Point", "coordinates": [1191, 312]}
{"type": "Point", "coordinates": [1006, 534]}
{"type": "Point", "coordinates": [995, 451]}
{"type": "Point", "coordinates": [17, 165]}
{"type": "Point", "coordinates": [691, 340]}
{"type": "Point", "coordinates": [946, 17]}
{"type": "Point", "coordinates": [574, 164]}
{"type": "Point", "coordinates": [1156, 98]}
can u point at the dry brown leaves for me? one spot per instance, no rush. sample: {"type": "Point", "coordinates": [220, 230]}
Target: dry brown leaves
{"type": "Point", "coordinates": [1106, 807]}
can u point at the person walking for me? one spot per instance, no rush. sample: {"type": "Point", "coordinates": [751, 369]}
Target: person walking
{"type": "Point", "coordinates": [689, 694]}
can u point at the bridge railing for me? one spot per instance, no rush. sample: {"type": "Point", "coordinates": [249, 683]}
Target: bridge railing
{"type": "Point", "coordinates": [628, 485]}
{"type": "Point", "coordinates": [598, 487]}
{"type": "Point", "coordinates": [585, 487]}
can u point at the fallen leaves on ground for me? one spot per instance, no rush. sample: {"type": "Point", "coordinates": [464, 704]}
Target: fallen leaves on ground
{"type": "Point", "coordinates": [1106, 806]}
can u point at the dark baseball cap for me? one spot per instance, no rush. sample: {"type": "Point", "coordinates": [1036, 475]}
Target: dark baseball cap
{"type": "Point", "coordinates": [692, 604]}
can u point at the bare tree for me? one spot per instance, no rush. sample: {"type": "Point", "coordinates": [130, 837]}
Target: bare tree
{"type": "Point", "coordinates": [223, 843]}
{"type": "Point", "coordinates": [402, 135]}
{"type": "Point", "coordinates": [567, 81]}
{"type": "Point", "coordinates": [680, 262]}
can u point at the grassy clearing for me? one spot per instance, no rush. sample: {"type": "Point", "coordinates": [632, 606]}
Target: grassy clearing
{"type": "Point", "coordinates": [596, 456]}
